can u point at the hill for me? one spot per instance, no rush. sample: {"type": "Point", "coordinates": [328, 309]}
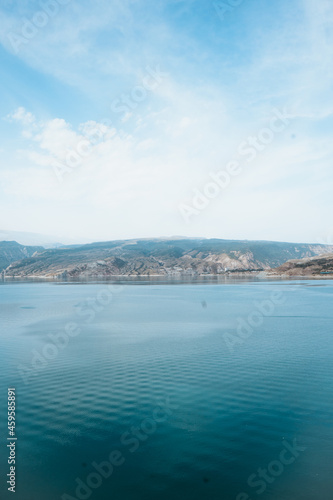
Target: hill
{"type": "Point", "coordinates": [161, 257]}
{"type": "Point", "coordinates": [314, 266]}
{"type": "Point", "coordinates": [11, 251]}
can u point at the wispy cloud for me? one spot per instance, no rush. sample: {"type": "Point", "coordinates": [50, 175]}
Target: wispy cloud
{"type": "Point", "coordinates": [223, 80]}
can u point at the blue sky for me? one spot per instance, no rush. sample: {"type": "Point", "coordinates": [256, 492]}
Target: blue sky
{"type": "Point", "coordinates": [114, 115]}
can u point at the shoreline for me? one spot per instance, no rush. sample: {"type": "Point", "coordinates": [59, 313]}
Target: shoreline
{"type": "Point", "coordinates": [212, 278]}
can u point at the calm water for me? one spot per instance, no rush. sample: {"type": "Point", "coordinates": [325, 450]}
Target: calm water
{"type": "Point", "coordinates": [159, 374]}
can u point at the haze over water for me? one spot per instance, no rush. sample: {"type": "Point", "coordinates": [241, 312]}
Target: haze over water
{"type": "Point", "coordinates": [230, 410]}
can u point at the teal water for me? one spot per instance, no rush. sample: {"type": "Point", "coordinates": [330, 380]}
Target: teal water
{"type": "Point", "coordinates": [156, 379]}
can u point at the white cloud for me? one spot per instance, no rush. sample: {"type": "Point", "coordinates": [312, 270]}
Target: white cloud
{"type": "Point", "coordinates": [130, 181]}
{"type": "Point", "coordinates": [131, 185]}
{"type": "Point", "coordinates": [22, 116]}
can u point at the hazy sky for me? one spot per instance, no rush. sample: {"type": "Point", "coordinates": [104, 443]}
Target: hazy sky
{"type": "Point", "coordinates": [123, 119]}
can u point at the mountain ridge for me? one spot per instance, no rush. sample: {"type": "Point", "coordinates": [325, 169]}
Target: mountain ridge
{"type": "Point", "coordinates": [11, 251]}
{"type": "Point", "coordinates": [160, 257]}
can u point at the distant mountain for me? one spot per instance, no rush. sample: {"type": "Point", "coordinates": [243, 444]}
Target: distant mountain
{"type": "Point", "coordinates": [11, 251]}
{"type": "Point", "coordinates": [313, 266]}
{"type": "Point", "coordinates": [162, 257]}
{"type": "Point", "coordinates": [30, 239]}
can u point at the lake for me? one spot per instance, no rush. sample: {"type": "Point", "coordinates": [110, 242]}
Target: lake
{"type": "Point", "coordinates": [142, 391]}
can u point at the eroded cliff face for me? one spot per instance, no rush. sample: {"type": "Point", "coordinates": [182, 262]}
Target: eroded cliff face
{"type": "Point", "coordinates": [313, 266]}
{"type": "Point", "coordinates": [160, 257]}
{"type": "Point", "coordinates": [136, 266]}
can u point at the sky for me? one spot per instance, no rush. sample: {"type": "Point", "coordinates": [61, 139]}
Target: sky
{"type": "Point", "coordinates": [137, 119]}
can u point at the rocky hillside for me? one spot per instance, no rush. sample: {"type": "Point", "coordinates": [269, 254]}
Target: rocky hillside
{"type": "Point", "coordinates": [10, 251]}
{"type": "Point", "coordinates": [314, 266]}
{"type": "Point", "coordinates": [161, 257]}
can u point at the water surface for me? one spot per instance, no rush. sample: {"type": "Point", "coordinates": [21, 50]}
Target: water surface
{"type": "Point", "coordinates": [232, 403]}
